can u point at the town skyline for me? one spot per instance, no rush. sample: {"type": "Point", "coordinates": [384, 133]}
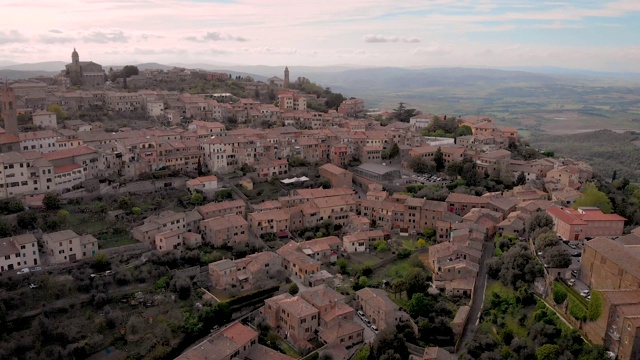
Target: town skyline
{"type": "Point", "coordinates": [415, 34]}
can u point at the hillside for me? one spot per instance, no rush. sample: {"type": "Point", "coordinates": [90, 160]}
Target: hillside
{"type": "Point", "coordinates": [21, 74]}
{"type": "Point", "coordinates": [605, 150]}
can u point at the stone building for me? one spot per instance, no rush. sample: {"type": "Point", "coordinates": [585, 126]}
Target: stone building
{"type": "Point", "coordinates": [84, 73]}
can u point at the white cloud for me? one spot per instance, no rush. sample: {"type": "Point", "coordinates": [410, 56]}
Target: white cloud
{"type": "Point", "coordinates": [215, 36]}
{"type": "Point", "coordinates": [105, 36]}
{"type": "Point", "coordinates": [393, 39]}
{"type": "Point", "coordinates": [12, 36]}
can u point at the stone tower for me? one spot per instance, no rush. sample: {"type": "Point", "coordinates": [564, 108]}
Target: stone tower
{"type": "Point", "coordinates": [9, 112]}
{"type": "Point", "coordinates": [75, 58]}
{"type": "Point", "coordinates": [286, 76]}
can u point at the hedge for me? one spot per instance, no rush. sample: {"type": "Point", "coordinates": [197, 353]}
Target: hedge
{"type": "Point", "coordinates": [595, 306]}
{"type": "Point", "coordinates": [258, 295]}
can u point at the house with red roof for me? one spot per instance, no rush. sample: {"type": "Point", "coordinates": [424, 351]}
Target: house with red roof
{"type": "Point", "coordinates": [572, 224]}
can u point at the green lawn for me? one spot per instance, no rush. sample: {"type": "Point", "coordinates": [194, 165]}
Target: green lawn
{"type": "Point", "coordinates": [496, 286]}
{"type": "Point", "coordinates": [397, 270]}
{"type": "Point", "coordinates": [284, 346]}
{"type": "Point", "coordinates": [409, 244]}
{"type": "Point", "coordinates": [106, 241]}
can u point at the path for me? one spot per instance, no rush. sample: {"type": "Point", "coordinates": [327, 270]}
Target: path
{"type": "Point", "coordinates": [478, 298]}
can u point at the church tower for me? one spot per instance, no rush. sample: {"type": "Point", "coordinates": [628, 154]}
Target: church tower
{"type": "Point", "coordinates": [9, 112]}
{"type": "Point", "coordinates": [286, 76]}
{"type": "Point", "coordinates": [75, 58]}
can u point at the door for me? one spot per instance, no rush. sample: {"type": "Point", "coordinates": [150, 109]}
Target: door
{"type": "Point", "coordinates": [576, 237]}
{"type": "Point", "coordinates": [72, 257]}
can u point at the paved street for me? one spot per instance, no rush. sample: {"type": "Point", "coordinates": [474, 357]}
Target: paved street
{"type": "Point", "coordinates": [478, 298]}
{"type": "Point", "coordinates": [369, 335]}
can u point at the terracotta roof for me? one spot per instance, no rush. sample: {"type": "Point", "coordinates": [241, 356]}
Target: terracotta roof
{"type": "Point", "coordinates": [261, 352]}
{"type": "Point", "coordinates": [338, 330]}
{"type": "Point", "coordinates": [66, 168]}
{"type": "Point", "coordinates": [66, 153]}
{"type": "Point", "coordinates": [565, 215]}
{"type": "Point", "coordinates": [225, 221]}
{"type": "Point", "coordinates": [298, 307]}
{"type": "Point", "coordinates": [333, 169]}
{"type": "Point", "coordinates": [464, 198]}
{"type": "Point", "coordinates": [617, 253]}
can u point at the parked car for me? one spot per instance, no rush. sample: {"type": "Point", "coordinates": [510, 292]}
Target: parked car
{"type": "Point", "coordinates": [23, 271]}
{"type": "Point", "coordinates": [108, 272]}
{"type": "Point", "coordinates": [585, 293]}
{"type": "Point", "coordinates": [539, 253]}
{"type": "Point", "coordinates": [571, 282]}
{"type": "Point", "coordinates": [576, 254]}
{"type": "Point", "coordinates": [33, 286]}
{"type": "Point", "coordinates": [366, 321]}
{"type": "Point", "coordinates": [360, 313]}
{"type": "Point", "coordinates": [374, 328]}
{"type": "Point", "coordinates": [37, 268]}
{"type": "Point", "coordinates": [573, 246]}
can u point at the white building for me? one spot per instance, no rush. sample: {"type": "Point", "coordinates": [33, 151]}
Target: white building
{"type": "Point", "coordinates": [420, 121]}
{"type": "Point", "coordinates": [67, 176]}
{"type": "Point", "coordinates": [45, 119]}
{"type": "Point", "coordinates": [18, 252]}
{"type": "Point", "coordinates": [22, 174]}
{"type": "Point", "coordinates": [41, 141]}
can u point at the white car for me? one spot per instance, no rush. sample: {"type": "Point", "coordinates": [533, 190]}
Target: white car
{"type": "Point", "coordinates": [585, 293]}
{"type": "Point", "coordinates": [23, 271]}
{"type": "Point", "coordinates": [374, 328]}
{"type": "Point", "coordinates": [360, 313]}
{"type": "Point", "coordinates": [571, 282]}
{"type": "Point", "coordinates": [33, 286]}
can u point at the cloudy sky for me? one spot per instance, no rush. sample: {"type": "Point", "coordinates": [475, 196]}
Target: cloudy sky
{"type": "Point", "coordinates": [585, 34]}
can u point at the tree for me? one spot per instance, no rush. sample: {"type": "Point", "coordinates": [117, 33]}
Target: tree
{"type": "Point", "coordinates": [59, 111]}
{"type": "Point", "coordinates": [420, 165]}
{"type": "Point", "coordinates": [463, 130]}
{"type": "Point", "coordinates": [521, 179]}
{"type": "Point", "coordinates": [428, 232]}
{"type": "Point", "coordinates": [398, 286]}
{"type": "Point", "coordinates": [595, 306]}
{"type": "Point", "coordinates": [63, 216]}
{"type": "Point", "coordinates": [539, 221]}
{"type": "Point", "coordinates": [557, 257]}
{"type": "Point", "coordinates": [6, 229]}
{"type": "Point", "coordinates": [421, 243]}
{"type": "Point", "coordinates": [101, 262]}
{"type": "Point", "coordinates": [344, 267]}
{"type": "Point", "coordinates": [362, 354]}
{"type": "Point", "coordinates": [592, 197]}
{"type": "Point", "coordinates": [438, 158]}
{"type": "Point", "coordinates": [453, 169]}
{"type": "Point", "coordinates": [381, 245]}
{"type": "Point", "coordinates": [402, 114]}
{"type": "Point", "coordinates": [196, 198]}
{"type": "Point", "coordinates": [546, 240]}
{"type": "Point", "coordinates": [417, 282]}
{"type": "Point", "coordinates": [395, 150]}
{"type": "Point", "coordinates": [363, 282]}
{"type": "Point", "coordinates": [129, 70]}
{"type": "Point", "coordinates": [559, 293]}
{"type": "Point", "coordinates": [199, 168]}
{"type": "Point", "coordinates": [293, 289]}
{"type": "Point", "coordinates": [548, 352]}
{"type": "Point", "coordinates": [27, 220]}
{"type": "Point", "coordinates": [51, 201]}
{"type": "Point", "coordinates": [417, 306]}
{"type": "Point", "coordinates": [136, 211]}
{"type": "Point", "coordinates": [124, 203]}
{"type": "Point", "coordinates": [182, 286]}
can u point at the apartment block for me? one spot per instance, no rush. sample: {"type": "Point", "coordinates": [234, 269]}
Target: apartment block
{"type": "Point", "coordinates": [67, 246]}
{"type": "Point", "coordinates": [18, 252]}
{"type": "Point", "coordinates": [226, 230]}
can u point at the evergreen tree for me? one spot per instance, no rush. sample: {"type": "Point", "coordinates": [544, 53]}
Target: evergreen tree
{"type": "Point", "coordinates": [438, 158]}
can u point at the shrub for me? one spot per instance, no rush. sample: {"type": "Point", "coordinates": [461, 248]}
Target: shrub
{"type": "Point", "coordinates": [293, 289]}
{"type": "Point", "coordinates": [595, 306]}
{"type": "Point", "coordinates": [559, 294]}
{"type": "Point", "coordinates": [577, 310]}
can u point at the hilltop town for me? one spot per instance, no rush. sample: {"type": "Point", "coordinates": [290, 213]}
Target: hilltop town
{"type": "Point", "coordinates": [147, 216]}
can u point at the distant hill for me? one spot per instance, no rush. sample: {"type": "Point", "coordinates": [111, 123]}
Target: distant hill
{"type": "Point", "coordinates": [56, 66]}
{"type": "Point", "coordinates": [19, 74]}
{"type": "Point", "coordinates": [143, 66]}
{"type": "Point", "coordinates": [604, 150]}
